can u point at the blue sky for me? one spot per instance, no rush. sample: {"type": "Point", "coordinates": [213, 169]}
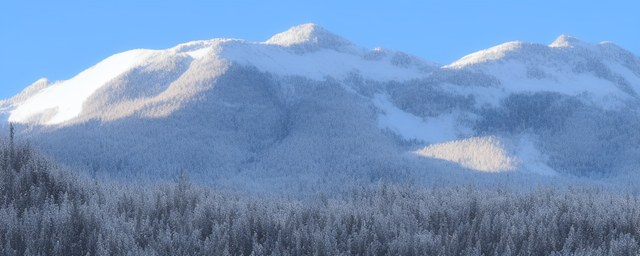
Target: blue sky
{"type": "Point", "coordinates": [59, 39]}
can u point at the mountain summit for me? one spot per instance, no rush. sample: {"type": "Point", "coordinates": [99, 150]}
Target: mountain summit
{"type": "Point", "coordinates": [569, 41]}
{"type": "Point", "coordinates": [312, 107]}
{"type": "Point", "coordinates": [308, 38]}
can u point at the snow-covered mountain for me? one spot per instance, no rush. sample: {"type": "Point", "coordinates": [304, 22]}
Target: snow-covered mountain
{"type": "Point", "coordinates": [311, 107]}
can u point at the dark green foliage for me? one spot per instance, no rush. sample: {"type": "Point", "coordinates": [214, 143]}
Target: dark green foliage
{"type": "Point", "coordinates": [46, 211]}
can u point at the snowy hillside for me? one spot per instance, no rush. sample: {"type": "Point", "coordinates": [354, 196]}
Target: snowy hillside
{"type": "Point", "coordinates": [310, 107]}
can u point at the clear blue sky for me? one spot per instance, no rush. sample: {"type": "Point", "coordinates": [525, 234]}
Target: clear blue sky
{"type": "Point", "coordinates": [59, 39]}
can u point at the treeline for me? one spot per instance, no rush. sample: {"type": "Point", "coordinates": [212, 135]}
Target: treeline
{"type": "Point", "coordinates": [46, 210]}
{"type": "Point", "coordinates": [581, 138]}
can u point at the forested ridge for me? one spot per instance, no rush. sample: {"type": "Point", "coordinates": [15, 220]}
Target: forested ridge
{"type": "Point", "coordinates": [46, 209]}
{"type": "Point", "coordinates": [308, 144]}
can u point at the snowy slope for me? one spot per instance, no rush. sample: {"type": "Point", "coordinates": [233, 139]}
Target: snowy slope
{"type": "Point", "coordinates": [314, 104]}
{"type": "Point", "coordinates": [307, 50]}
{"type": "Point", "coordinates": [569, 66]}
{"type": "Point", "coordinates": [66, 98]}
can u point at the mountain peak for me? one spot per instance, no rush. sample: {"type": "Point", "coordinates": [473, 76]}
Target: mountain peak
{"type": "Point", "coordinates": [309, 38]}
{"type": "Point", "coordinates": [572, 42]}
{"type": "Point", "coordinates": [493, 53]}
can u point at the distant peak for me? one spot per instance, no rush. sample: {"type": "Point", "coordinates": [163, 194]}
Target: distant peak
{"type": "Point", "coordinates": [309, 37]}
{"type": "Point", "coordinates": [569, 41]}
{"type": "Point", "coordinates": [493, 53]}
{"type": "Point", "coordinates": [300, 34]}
{"type": "Point", "coordinates": [43, 80]}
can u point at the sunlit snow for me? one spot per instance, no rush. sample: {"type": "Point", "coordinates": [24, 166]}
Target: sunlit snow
{"type": "Point", "coordinates": [197, 54]}
{"type": "Point", "coordinates": [489, 154]}
{"type": "Point", "coordinates": [483, 154]}
{"type": "Point", "coordinates": [66, 98]}
{"type": "Point", "coordinates": [569, 41]}
{"type": "Point", "coordinates": [308, 34]}
{"type": "Point", "coordinates": [447, 97]}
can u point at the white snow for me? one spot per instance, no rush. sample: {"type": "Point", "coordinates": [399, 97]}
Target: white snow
{"type": "Point", "coordinates": [490, 154]}
{"type": "Point", "coordinates": [558, 74]}
{"type": "Point", "coordinates": [296, 35]}
{"type": "Point", "coordinates": [572, 42]}
{"type": "Point", "coordinates": [195, 49]}
{"type": "Point", "coordinates": [513, 78]}
{"type": "Point", "coordinates": [68, 96]}
{"type": "Point", "coordinates": [485, 154]}
{"type": "Point", "coordinates": [492, 53]}
{"type": "Point", "coordinates": [314, 65]}
{"type": "Point", "coordinates": [432, 130]}
{"type": "Point", "coordinates": [197, 54]}
{"type": "Point", "coordinates": [633, 80]}
{"type": "Point", "coordinates": [308, 34]}
{"type": "Point", "coordinates": [321, 54]}
{"type": "Point", "coordinates": [531, 158]}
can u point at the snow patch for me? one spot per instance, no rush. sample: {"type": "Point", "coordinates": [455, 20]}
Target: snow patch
{"type": "Point", "coordinates": [432, 130]}
{"type": "Point", "coordinates": [561, 79]}
{"type": "Point", "coordinates": [485, 154]}
{"type": "Point", "coordinates": [532, 159]}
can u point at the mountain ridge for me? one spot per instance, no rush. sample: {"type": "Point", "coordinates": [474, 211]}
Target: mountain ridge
{"type": "Point", "coordinates": [311, 106]}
